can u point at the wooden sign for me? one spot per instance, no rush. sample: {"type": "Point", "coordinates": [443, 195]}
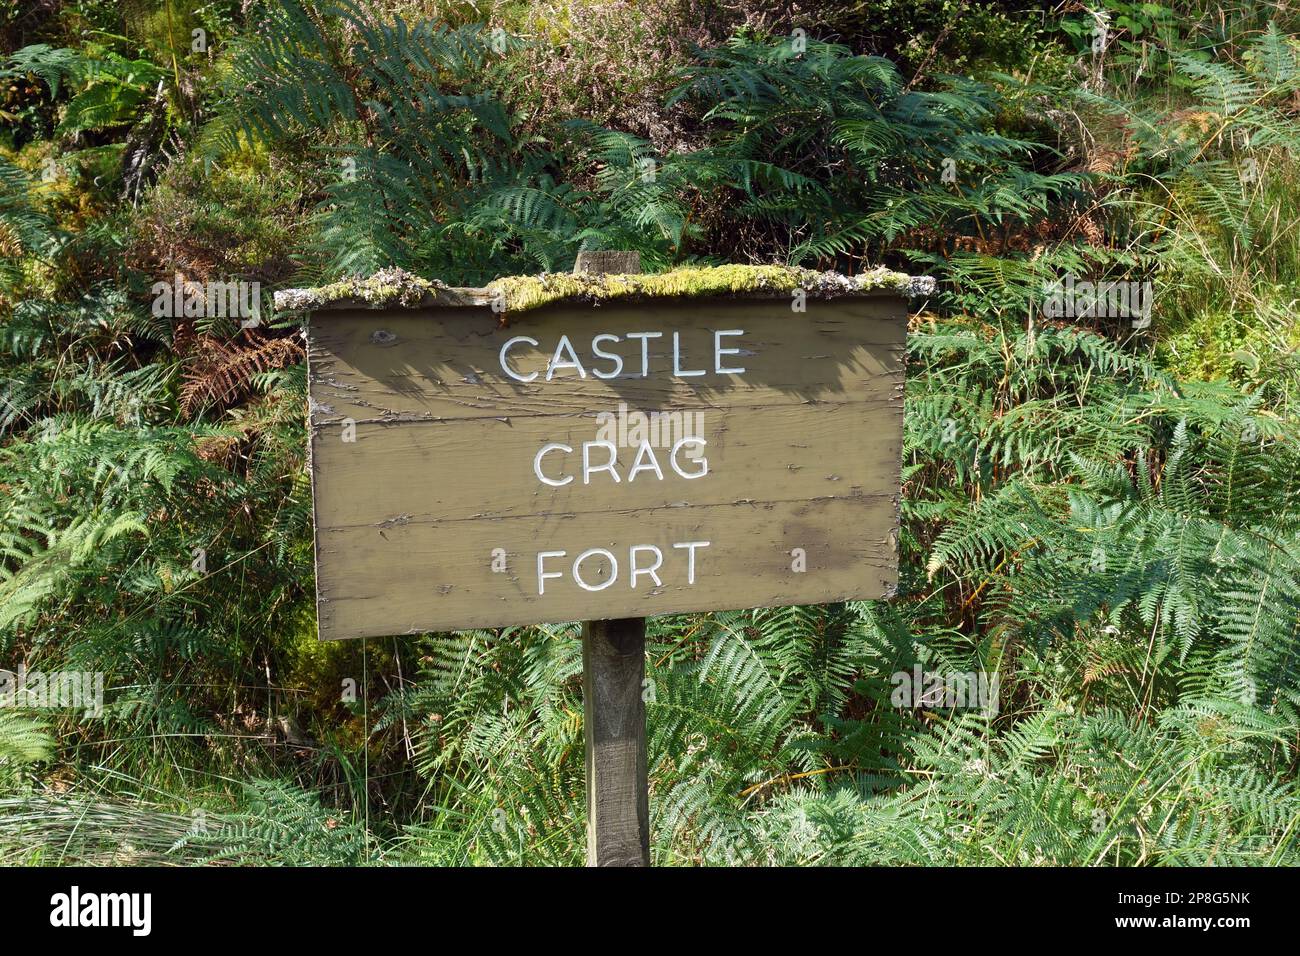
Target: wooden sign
{"type": "Point", "coordinates": [602, 462]}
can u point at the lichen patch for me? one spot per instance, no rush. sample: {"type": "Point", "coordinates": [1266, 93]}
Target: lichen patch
{"type": "Point", "coordinates": [514, 294]}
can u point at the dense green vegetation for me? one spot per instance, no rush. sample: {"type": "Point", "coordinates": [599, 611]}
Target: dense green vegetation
{"type": "Point", "coordinates": [1101, 511]}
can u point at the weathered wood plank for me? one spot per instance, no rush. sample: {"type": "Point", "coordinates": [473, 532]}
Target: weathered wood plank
{"type": "Point", "coordinates": [411, 577]}
{"type": "Point", "coordinates": [778, 453]}
{"type": "Point", "coordinates": [444, 364]}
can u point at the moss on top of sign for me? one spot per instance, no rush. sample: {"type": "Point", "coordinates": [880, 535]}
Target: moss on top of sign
{"type": "Point", "coordinates": [521, 293]}
{"type": "Point", "coordinates": [386, 287]}
{"type": "Point", "coordinates": [530, 292]}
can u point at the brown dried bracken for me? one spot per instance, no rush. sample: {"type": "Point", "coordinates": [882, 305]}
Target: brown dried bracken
{"type": "Point", "coordinates": [223, 371]}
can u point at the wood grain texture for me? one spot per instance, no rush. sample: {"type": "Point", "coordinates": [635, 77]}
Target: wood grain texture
{"type": "Point", "coordinates": [613, 708]}
{"type": "Point", "coordinates": [618, 799]}
{"type": "Point", "coordinates": [383, 367]}
{"type": "Point", "coordinates": [408, 577]}
{"type": "Point", "coordinates": [764, 453]}
{"type": "Point", "coordinates": [607, 262]}
{"type": "Point", "coordinates": [437, 484]}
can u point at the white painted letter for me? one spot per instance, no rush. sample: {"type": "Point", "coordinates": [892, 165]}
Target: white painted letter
{"type": "Point", "coordinates": [637, 465]}
{"type": "Point", "coordinates": [690, 547]}
{"type": "Point", "coordinates": [613, 569]}
{"type": "Point", "coordinates": [677, 358]}
{"type": "Point", "coordinates": [659, 559]}
{"type": "Point", "coordinates": [608, 466]}
{"type": "Point", "coordinates": [507, 369]}
{"type": "Point", "coordinates": [537, 463]}
{"type": "Point", "coordinates": [542, 573]}
{"type": "Point", "coordinates": [719, 351]}
{"type": "Point", "coordinates": [645, 348]}
{"type": "Point", "coordinates": [704, 462]}
{"type": "Point", "coordinates": [618, 359]}
{"type": "Point", "coordinates": [560, 346]}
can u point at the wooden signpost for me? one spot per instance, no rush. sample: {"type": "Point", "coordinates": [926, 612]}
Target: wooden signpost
{"type": "Point", "coordinates": [646, 456]}
{"type": "Point", "coordinates": [613, 701]}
